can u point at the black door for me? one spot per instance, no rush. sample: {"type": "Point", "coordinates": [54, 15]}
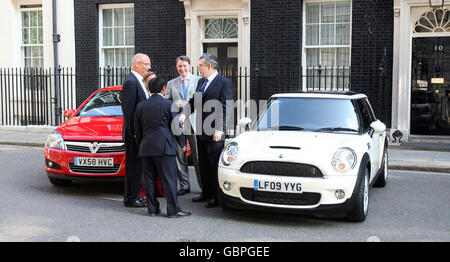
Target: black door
{"type": "Point", "coordinates": [430, 86]}
{"type": "Point", "coordinates": [227, 55]}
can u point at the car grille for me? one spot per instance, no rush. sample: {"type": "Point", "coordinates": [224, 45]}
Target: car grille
{"type": "Point", "coordinates": [290, 199]}
{"type": "Point", "coordinates": [280, 169]}
{"type": "Point", "coordinates": [94, 169]}
{"type": "Point", "coordinates": [104, 147]}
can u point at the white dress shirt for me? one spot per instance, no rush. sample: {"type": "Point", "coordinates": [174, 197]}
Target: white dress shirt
{"type": "Point", "coordinates": [142, 82]}
{"type": "Point", "coordinates": [210, 79]}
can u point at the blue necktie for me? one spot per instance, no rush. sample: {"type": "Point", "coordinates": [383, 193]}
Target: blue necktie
{"type": "Point", "coordinates": [204, 86]}
{"type": "Point", "coordinates": [184, 90]}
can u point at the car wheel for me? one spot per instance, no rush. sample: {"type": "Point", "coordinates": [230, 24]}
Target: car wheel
{"type": "Point", "coordinates": [59, 182]}
{"type": "Point", "coordinates": [383, 177]}
{"type": "Point", "coordinates": [361, 201]}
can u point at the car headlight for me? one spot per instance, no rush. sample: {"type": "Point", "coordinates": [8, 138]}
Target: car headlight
{"type": "Point", "coordinates": [55, 140]}
{"type": "Point", "coordinates": [230, 153]}
{"type": "Point", "coordinates": [344, 159]}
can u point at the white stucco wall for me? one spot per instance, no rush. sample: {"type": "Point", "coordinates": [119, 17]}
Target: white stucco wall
{"type": "Point", "coordinates": [10, 19]}
{"type": "Point", "coordinates": [406, 13]}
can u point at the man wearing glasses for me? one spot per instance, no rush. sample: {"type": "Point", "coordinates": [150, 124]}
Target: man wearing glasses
{"type": "Point", "coordinates": [133, 91]}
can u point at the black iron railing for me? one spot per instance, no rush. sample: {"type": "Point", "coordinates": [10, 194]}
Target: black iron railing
{"type": "Point", "coordinates": [27, 95]}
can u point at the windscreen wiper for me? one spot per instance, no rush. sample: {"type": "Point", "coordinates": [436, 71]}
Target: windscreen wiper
{"type": "Point", "coordinates": [332, 129]}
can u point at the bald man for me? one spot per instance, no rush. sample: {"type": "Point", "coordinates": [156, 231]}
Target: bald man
{"type": "Point", "coordinates": [133, 91]}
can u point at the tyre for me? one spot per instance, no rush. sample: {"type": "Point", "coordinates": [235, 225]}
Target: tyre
{"type": "Point", "coordinates": [383, 177]}
{"type": "Point", "coordinates": [59, 182]}
{"type": "Point", "coordinates": [361, 202]}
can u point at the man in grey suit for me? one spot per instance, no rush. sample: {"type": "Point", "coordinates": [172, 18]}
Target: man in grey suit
{"type": "Point", "coordinates": [180, 90]}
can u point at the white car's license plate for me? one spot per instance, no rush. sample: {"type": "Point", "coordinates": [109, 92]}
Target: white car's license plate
{"type": "Point", "coordinates": [273, 186]}
{"type": "Point", "coordinates": [93, 161]}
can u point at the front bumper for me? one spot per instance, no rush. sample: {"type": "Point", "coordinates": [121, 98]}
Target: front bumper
{"type": "Point", "coordinates": [64, 166]}
{"type": "Point", "coordinates": [319, 194]}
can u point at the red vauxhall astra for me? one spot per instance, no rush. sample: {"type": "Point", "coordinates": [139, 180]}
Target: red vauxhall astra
{"type": "Point", "coordinates": [88, 145]}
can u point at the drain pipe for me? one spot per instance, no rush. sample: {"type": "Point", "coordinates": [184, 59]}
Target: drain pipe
{"type": "Point", "coordinates": [56, 40]}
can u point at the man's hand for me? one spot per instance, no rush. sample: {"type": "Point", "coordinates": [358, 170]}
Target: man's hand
{"type": "Point", "coordinates": [180, 104]}
{"type": "Point", "coordinates": [182, 118]}
{"type": "Point", "coordinates": [217, 136]}
{"type": "Point", "coordinates": [184, 149]}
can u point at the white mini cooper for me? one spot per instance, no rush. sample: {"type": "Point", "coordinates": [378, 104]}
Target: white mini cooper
{"type": "Point", "coordinates": [306, 153]}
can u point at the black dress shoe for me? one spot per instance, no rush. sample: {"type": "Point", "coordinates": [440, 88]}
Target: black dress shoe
{"type": "Point", "coordinates": [137, 203]}
{"type": "Point", "coordinates": [155, 213]}
{"type": "Point", "coordinates": [212, 203]}
{"type": "Point", "coordinates": [183, 192]}
{"type": "Point", "coordinates": [180, 214]}
{"type": "Point", "coordinates": [200, 198]}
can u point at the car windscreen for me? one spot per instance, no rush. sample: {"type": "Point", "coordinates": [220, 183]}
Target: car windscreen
{"type": "Point", "coordinates": [309, 114]}
{"type": "Point", "coordinates": [104, 103]}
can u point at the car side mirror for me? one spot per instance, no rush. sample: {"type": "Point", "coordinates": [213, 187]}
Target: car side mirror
{"type": "Point", "coordinates": [378, 127]}
{"type": "Point", "coordinates": [69, 113]}
{"type": "Point", "coordinates": [244, 123]}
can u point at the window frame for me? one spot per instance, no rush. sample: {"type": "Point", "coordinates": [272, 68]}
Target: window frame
{"type": "Point", "coordinates": [29, 27]}
{"type": "Point", "coordinates": [305, 47]}
{"type": "Point", "coordinates": [102, 48]}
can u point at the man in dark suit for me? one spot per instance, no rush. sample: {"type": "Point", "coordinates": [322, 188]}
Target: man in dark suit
{"type": "Point", "coordinates": [215, 90]}
{"type": "Point", "coordinates": [153, 125]}
{"type": "Point", "coordinates": [133, 92]}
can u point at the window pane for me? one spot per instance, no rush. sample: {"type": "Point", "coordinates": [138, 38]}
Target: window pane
{"type": "Point", "coordinates": [118, 17]}
{"type": "Point", "coordinates": [33, 18]}
{"type": "Point", "coordinates": [107, 37]}
{"type": "Point", "coordinates": [36, 62]}
{"type": "Point", "coordinates": [312, 13]}
{"type": "Point", "coordinates": [327, 35]}
{"type": "Point", "coordinates": [40, 36]}
{"type": "Point", "coordinates": [328, 12]}
{"type": "Point", "coordinates": [130, 54]}
{"type": "Point", "coordinates": [312, 35]}
{"type": "Point", "coordinates": [129, 17]}
{"type": "Point", "coordinates": [40, 18]}
{"type": "Point", "coordinates": [25, 19]}
{"type": "Point", "coordinates": [34, 39]}
{"type": "Point", "coordinates": [342, 34]}
{"type": "Point", "coordinates": [27, 62]}
{"type": "Point", "coordinates": [327, 56]}
{"type": "Point", "coordinates": [119, 37]}
{"type": "Point", "coordinates": [221, 28]}
{"type": "Point", "coordinates": [25, 36]}
{"type": "Point", "coordinates": [27, 51]}
{"type": "Point", "coordinates": [41, 52]}
{"type": "Point", "coordinates": [120, 57]}
{"type": "Point", "coordinates": [312, 57]}
{"type": "Point", "coordinates": [342, 12]}
{"type": "Point", "coordinates": [107, 17]}
{"type": "Point", "coordinates": [35, 51]}
{"type": "Point", "coordinates": [343, 57]}
{"type": "Point", "coordinates": [129, 36]}
{"type": "Point", "coordinates": [108, 57]}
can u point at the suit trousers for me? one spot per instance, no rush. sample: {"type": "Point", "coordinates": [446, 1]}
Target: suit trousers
{"type": "Point", "coordinates": [183, 167]}
{"type": "Point", "coordinates": [134, 172]}
{"type": "Point", "coordinates": [166, 167]}
{"type": "Point", "coordinates": [208, 157]}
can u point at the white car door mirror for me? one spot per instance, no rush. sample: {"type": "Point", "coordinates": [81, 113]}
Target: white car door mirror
{"type": "Point", "coordinates": [244, 123]}
{"type": "Point", "coordinates": [378, 126]}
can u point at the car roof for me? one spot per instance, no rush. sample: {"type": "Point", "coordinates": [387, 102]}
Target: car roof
{"type": "Point", "coordinates": [337, 95]}
{"type": "Point", "coordinates": [111, 88]}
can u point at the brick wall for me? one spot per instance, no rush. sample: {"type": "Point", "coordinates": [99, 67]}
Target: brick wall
{"type": "Point", "coordinates": [372, 33]}
{"type": "Point", "coordinates": [159, 32]}
{"type": "Point", "coordinates": [275, 46]}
